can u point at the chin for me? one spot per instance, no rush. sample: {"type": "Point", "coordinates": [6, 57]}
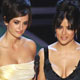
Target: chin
{"type": "Point", "coordinates": [17, 36]}
{"type": "Point", "coordinates": [64, 43]}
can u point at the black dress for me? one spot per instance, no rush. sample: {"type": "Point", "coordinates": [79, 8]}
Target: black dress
{"type": "Point", "coordinates": [51, 75]}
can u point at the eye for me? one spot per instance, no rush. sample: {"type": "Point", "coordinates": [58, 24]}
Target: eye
{"type": "Point", "coordinates": [26, 23]}
{"type": "Point", "coordinates": [69, 28]}
{"type": "Point", "coordinates": [16, 22]}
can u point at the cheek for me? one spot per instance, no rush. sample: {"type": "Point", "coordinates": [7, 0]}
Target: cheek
{"type": "Point", "coordinates": [25, 27]}
{"type": "Point", "coordinates": [58, 32]}
{"type": "Point", "coordinates": [71, 34]}
{"type": "Point", "coordinates": [10, 26]}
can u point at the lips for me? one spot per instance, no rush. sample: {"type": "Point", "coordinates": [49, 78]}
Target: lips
{"type": "Point", "coordinates": [19, 32]}
{"type": "Point", "coordinates": [64, 38]}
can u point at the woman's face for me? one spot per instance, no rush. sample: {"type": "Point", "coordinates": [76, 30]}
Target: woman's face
{"type": "Point", "coordinates": [64, 34]}
{"type": "Point", "coordinates": [17, 26]}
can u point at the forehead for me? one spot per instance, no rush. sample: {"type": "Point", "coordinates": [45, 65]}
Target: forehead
{"type": "Point", "coordinates": [21, 18]}
{"type": "Point", "coordinates": [65, 22]}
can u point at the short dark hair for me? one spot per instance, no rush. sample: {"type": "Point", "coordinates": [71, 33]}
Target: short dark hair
{"type": "Point", "coordinates": [69, 10]}
{"type": "Point", "coordinates": [15, 8]}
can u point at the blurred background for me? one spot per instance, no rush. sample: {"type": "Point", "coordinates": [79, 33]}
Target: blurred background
{"type": "Point", "coordinates": [42, 19]}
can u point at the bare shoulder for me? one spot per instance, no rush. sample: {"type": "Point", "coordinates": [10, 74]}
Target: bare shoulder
{"type": "Point", "coordinates": [78, 47]}
{"type": "Point", "coordinates": [41, 75]}
{"type": "Point", "coordinates": [77, 50]}
{"type": "Point", "coordinates": [30, 44]}
{"type": "Point", "coordinates": [41, 53]}
{"type": "Point", "coordinates": [52, 47]}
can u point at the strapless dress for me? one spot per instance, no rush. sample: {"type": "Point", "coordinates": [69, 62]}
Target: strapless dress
{"type": "Point", "coordinates": [24, 71]}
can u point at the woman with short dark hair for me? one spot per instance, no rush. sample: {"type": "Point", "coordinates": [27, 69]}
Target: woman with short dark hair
{"type": "Point", "coordinates": [16, 52]}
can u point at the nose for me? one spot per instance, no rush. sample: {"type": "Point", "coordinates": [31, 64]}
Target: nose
{"type": "Point", "coordinates": [64, 31]}
{"type": "Point", "coordinates": [20, 27]}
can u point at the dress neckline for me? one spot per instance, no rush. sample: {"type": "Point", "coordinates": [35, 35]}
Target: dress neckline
{"type": "Point", "coordinates": [17, 64]}
{"type": "Point", "coordinates": [70, 75]}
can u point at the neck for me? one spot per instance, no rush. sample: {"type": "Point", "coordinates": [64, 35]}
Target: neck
{"type": "Point", "coordinates": [9, 40]}
{"type": "Point", "coordinates": [66, 47]}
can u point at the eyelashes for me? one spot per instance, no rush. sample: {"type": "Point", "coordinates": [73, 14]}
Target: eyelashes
{"type": "Point", "coordinates": [17, 22]}
{"type": "Point", "coordinates": [25, 23]}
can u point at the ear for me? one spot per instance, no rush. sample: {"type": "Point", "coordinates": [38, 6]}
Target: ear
{"type": "Point", "coordinates": [6, 23]}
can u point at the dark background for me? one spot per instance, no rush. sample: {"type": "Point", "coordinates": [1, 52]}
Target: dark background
{"type": "Point", "coordinates": [42, 19]}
